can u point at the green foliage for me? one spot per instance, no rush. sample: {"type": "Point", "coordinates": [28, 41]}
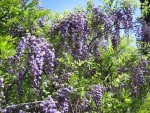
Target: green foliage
{"type": "Point", "coordinates": [7, 47]}
{"type": "Point", "coordinates": [89, 5]}
{"type": "Point", "coordinates": [145, 8]}
{"type": "Point", "coordinates": [13, 14]}
{"type": "Point", "coordinates": [145, 106]}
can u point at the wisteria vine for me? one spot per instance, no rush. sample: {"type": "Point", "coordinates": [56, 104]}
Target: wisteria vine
{"type": "Point", "coordinates": [83, 36]}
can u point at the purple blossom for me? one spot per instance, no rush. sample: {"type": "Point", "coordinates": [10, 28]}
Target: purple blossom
{"type": "Point", "coordinates": [62, 96]}
{"type": "Point", "coordinates": [49, 106]}
{"type": "Point", "coordinates": [96, 93]}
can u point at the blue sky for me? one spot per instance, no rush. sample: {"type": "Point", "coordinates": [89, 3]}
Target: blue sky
{"type": "Point", "coordinates": [61, 5]}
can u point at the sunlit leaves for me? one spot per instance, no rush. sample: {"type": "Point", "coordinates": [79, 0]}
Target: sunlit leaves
{"type": "Point", "coordinates": [7, 47]}
{"type": "Point", "coordinates": [145, 8]}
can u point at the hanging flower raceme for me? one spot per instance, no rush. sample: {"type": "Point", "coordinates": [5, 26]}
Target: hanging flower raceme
{"type": "Point", "coordinates": [145, 32]}
{"type": "Point", "coordinates": [63, 99]}
{"type": "Point", "coordinates": [96, 93]}
{"type": "Point", "coordinates": [49, 106]}
{"type": "Point", "coordinates": [2, 97]}
{"type": "Point", "coordinates": [39, 54]}
{"type": "Point", "coordinates": [73, 31]}
{"type": "Point", "coordinates": [138, 80]}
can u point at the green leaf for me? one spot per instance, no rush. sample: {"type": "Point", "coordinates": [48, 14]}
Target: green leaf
{"type": "Point", "coordinates": [6, 46]}
{"type": "Point", "coordinates": [128, 101]}
{"type": "Point", "coordinates": [4, 43]}
{"type": "Point", "coordinates": [81, 91]}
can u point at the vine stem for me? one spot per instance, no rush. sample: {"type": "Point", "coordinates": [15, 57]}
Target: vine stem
{"type": "Point", "coordinates": [22, 105]}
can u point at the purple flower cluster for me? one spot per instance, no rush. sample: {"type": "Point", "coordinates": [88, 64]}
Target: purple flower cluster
{"type": "Point", "coordinates": [138, 79]}
{"type": "Point", "coordinates": [49, 59]}
{"type": "Point", "coordinates": [85, 105]}
{"type": "Point", "coordinates": [49, 106]}
{"type": "Point", "coordinates": [115, 41]}
{"type": "Point", "coordinates": [100, 19]}
{"type": "Point", "coordinates": [127, 18]}
{"type": "Point", "coordinates": [21, 77]}
{"type": "Point", "coordinates": [111, 22]}
{"type": "Point", "coordinates": [145, 32]}
{"type": "Point", "coordinates": [21, 46]}
{"type": "Point", "coordinates": [96, 93]}
{"type": "Point", "coordinates": [62, 96]}
{"type": "Point", "coordinates": [2, 97]}
{"type": "Point", "coordinates": [40, 54]}
{"type": "Point", "coordinates": [96, 51]}
{"type": "Point", "coordinates": [74, 31]}
{"type": "Point", "coordinates": [60, 79]}
{"type": "Point", "coordinates": [36, 60]}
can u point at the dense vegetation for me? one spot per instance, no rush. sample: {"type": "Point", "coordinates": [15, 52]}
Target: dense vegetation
{"type": "Point", "coordinates": [91, 60]}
